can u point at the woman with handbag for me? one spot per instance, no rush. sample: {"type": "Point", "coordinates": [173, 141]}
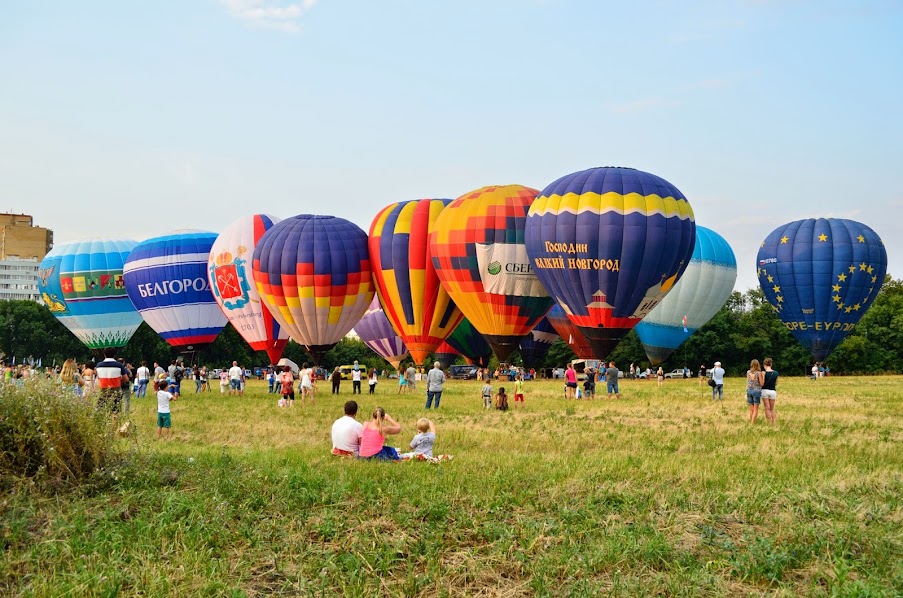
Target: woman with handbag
{"type": "Point", "coordinates": [755, 377]}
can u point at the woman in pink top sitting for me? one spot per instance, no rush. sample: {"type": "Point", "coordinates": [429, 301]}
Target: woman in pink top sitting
{"type": "Point", "coordinates": [373, 436]}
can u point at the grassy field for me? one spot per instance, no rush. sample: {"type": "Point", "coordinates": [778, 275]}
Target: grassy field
{"type": "Point", "coordinates": [661, 493]}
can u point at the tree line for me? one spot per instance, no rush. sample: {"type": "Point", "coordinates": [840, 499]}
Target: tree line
{"type": "Point", "coordinates": [745, 328]}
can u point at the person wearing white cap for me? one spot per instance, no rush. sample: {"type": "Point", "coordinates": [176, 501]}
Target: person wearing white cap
{"type": "Point", "coordinates": [718, 379]}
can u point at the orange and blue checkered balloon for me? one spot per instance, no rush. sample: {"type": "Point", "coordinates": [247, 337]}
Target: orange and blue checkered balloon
{"type": "Point", "coordinates": [479, 253]}
{"type": "Point", "coordinates": [313, 273]}
{"type": "Point", "coordinates": [419, 308]}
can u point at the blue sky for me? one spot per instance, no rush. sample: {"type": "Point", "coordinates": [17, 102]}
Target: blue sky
{"type": "Point", "coordinates": [133, 119]}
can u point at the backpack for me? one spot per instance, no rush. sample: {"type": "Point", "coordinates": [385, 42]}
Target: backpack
{"type": "Point", "coordinates": [178, 375]}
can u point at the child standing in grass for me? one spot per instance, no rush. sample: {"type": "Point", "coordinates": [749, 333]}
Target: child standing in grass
{"type": "Point", "coordinates": [164, 396]}
{"type": "Point", "coordinates": [519, 390]}
{"type": "Point", "coordinates": [486, 391]}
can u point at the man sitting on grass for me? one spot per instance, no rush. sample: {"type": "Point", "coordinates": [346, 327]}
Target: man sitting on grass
{"type": "Point", "coordinates": [346, 433]}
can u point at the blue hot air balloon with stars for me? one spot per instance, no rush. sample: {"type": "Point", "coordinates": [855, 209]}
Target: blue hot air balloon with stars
{"type": "Point", "coordinates": [820, 276]}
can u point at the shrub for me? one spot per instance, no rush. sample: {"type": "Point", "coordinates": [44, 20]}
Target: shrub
{"type": "Point", "coordinates": [50, 435]}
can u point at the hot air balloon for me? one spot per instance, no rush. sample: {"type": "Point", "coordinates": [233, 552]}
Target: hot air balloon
{"type": "Point", "coordinates": [609, 243]}
{"type": "Point", "coordinates": [233, 286]}
{"type": "Point", "coordinates": [446, 355]}
{"type": "Point", "coordinates": [313, 272]}
{"type": "Point", "coordinates": [81, 284]}
{"type": "Point", "coordinates": [166, 279]}
{"type": "Point", "coordinates": [820, 276]}
{"type": "Point", "coordinates": [536, 344]}
{"type": "Point", "coordinates": [377, 333]}
{"type": "Point", "coordinates": [569, 332]}
{"type": "Point", "coordinates": [478, 251]}
{"type": "Point", "coordinates": [412, 296]}
{"type": "Point", "coordinates": [467, 341]}
{"type": "Point", "coordinates": [703, 289]}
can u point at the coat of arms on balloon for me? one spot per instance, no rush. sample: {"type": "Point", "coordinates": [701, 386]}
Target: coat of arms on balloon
{"type": "Point", "coordinates": [230, 280]}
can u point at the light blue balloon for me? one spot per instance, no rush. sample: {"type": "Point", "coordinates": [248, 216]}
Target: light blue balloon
{"type": "Point", "coordinates": [703, 289]}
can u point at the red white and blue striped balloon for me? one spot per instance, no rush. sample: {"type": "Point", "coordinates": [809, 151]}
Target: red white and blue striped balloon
{"type": "Point", "coordinates": [166, 279]}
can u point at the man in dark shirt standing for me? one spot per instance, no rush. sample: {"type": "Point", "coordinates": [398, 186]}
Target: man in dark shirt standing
{"type": "Point", "coordinates": [611, 379]}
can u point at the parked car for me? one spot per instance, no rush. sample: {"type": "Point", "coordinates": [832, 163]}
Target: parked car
{"type": "Point", "coordinates": [678, 373]}
{"type": "Point", "coordinates": [463, 372]}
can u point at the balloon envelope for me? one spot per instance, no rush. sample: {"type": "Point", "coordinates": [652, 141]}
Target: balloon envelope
{"type": "Point", "coordinates": [535, 345]}
{"type": "Point", "coordinates": [446, 355]}
{"type": "Point", "coordinates": [412, 296]}
{"type": "Point", "coordinates": [569, 332]}
{"type": "Point", "coordinates": [166, 279]}
{"type": "Point", "coordinates": [467, 341]}
{"type": "Point", "coordinates": [82, 285]}
{"type": "Point", "coordinates": [229, 271]}
{"type": "Point", "coordinates": [478, 251]}
{"type": "Point", "coordinates": [313, 272]}
{"type": "Point", "coordinates": [820, 276]}
{"type": "Point", "coordinates": [377, 333]}
{"type": "Point", "coordinates": [705, 286]}
{"type": "Point", "coordinates": [609, 243]}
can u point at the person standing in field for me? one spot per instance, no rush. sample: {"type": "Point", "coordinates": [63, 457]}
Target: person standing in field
{"type": "Point", "coordinates": [235, 374]}
{"type": "Point", "coordinates": [410, 379]}
{"type": "Point", "coordinates": [519, 390]}
{"type": "Point", "coordinates": [702, 374]}
{"type": "Point", "coordinates": [718, 379]}
{"type": "Point", "coordinates": [769, 394]}
{"type": "Point", "coordinates": [486, 393]}
{"type": "Point", "coordinates": [754, 379]}
{"type": "Point", "coordinates": [372, 379]}
{"type": "Point", "coordinates": [435, 378]}
{"type": "Point", "coordinates": [164, 396]}
{"type": "Point", "coordinates": [660, 375]}
{"type": "Point", "coordinates": [142, 376]}
{"type": "Point", "coordinates": [287, 385]}
{"type": "Point", "coordinates": [111, 375]}
{"type": "Point", "coordinates": [570, 382]}
{"type": "Point", "coordinates": [307, 385]}
{"type": "Point", "coordinates": [336, 379]}
{"type": "Point", "coordinates": [611, 380]}
{"type": "Point", "coordinates": [223, 381]}
{"type": "Point", "coordinates": [356, 379]}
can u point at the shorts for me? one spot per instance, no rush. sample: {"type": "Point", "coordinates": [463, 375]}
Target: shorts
{"type": "Point", "coordinates": [753, 397]}
{"type": "Point", "coordinates": [771, 395]}
{"type": "Point", "coordinates": [613, 388]}
{"type": "Point", "coordinates": [164, 420]}
{"type": "Point", "coordinates": [571, 384]}
{"type": "Point", "coordinates": [236, 384]}
{"type": "Point", "coordinates": [288, 395]}
{"type": "Point", "coordinates": [518, 397]}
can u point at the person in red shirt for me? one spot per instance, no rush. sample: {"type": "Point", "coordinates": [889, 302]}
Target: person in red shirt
{"type": "Point", "coordinates": [287, 382]}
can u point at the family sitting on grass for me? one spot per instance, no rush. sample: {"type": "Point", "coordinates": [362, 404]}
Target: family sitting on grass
{"type": "Point", "coordinates": [350, 438]}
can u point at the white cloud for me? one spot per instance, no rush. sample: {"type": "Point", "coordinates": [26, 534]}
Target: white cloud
{"type": "Point", "coordinates": [269, 14]}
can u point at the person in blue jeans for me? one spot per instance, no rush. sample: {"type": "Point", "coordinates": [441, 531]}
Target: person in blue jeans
{"type": "Point", "coordinates": [718, 379]}
{"type": "Point", "coordinates": [435, 378]}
